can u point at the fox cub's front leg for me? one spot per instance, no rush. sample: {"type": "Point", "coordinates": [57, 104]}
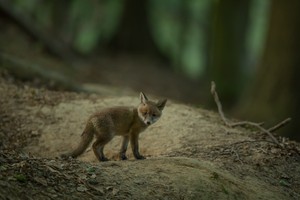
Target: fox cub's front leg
{"type": "Point", "coordinates": [134, 142]}
{"type": "Point", "coordinates": [124, 148]}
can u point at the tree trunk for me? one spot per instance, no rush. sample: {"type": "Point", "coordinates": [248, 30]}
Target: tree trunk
{"type": "Point", "coordinates": [274, 94]}
{"type": "Point", "coordinates": [230, 19]}
{"type": "Point", "coordinates": [133, 34]}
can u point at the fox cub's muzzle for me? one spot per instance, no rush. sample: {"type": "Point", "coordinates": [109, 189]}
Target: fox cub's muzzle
{"type": "Point", "coordinates": [150, 120]}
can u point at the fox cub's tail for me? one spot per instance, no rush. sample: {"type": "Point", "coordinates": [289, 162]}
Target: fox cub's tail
{"type": "Point", "coordinates": [86, 138]}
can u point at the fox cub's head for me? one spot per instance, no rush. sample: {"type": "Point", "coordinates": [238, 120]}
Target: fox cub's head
{"type": "Point", "coordinates": [150, 111]}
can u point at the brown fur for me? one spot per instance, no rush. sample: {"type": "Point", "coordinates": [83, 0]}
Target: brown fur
{"type": "Point", "coordinates": [125, 121]}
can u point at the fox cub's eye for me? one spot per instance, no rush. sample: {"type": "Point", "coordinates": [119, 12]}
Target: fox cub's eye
{"type": "Point", "coordinates": [153, 115]}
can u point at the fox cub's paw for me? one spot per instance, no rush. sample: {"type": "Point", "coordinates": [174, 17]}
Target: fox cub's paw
{"type": "Point", "coordinates": [103, 159]}
{"type": "Point", "coordinates": [123, 157]}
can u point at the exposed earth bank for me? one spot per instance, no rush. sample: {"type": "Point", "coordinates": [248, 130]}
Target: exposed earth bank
{"type": "Point", "coordinates": [190, 153]}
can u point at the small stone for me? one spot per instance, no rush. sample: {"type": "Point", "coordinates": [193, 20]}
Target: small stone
{"type": "Point", "coordinates": [93, 176]}
{"type": "Point", "coordinates": [81, 188]}
{"type": "Point", "coordinates": [93, 181]}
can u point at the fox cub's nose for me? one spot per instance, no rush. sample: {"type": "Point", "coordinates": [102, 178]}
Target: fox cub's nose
{"type": "Point", "coordinates": [148, 123]}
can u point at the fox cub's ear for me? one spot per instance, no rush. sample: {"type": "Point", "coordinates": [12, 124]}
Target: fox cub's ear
{"type": "Point", "coordinates": [161, 104]}
{"type": "Point", "coordinates": [143, 98]}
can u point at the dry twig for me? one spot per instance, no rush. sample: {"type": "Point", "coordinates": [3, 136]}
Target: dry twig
{"type": "Point", "coordinates": [237, 155]}
{"type": "Point", "coordinates": [279, 125]}
{"type": "Point", "coordinates": [217, 100]}
{"type": "Point", "coordinates": [243, 123]}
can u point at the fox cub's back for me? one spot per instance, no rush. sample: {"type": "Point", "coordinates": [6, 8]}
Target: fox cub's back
{"type": "Point", "coordinates": [117, 119]}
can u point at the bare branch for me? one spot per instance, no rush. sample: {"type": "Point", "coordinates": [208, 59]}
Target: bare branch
{"type": "Point", "coordinates": [243, 123]}
{"type": "Point", "coordinates": [279, 125]}
{"type": "Point", "coordinates": [219, 105]}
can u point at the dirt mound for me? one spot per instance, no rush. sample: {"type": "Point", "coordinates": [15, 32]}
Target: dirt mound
{"type": "Point", "coordinates": [69, 118]}
{"type": "Point", "coordinates": [190, 154]}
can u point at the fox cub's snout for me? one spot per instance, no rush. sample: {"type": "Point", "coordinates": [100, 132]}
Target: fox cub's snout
{"type": "Point", "coordinates": [148, 111]}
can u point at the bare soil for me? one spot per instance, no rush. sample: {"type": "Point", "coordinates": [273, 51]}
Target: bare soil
{"type": "Point", "coordinates": [190, 153]}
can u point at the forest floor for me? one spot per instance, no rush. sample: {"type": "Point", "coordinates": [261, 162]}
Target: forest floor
{"type": "Point", "coordinates": [190, 153]}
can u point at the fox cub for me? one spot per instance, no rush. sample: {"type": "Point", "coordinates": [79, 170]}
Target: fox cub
{"type": "Point", "coordinates": [125, 121]}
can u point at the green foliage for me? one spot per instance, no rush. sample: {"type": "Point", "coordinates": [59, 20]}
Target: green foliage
{"type": "Point", "coordinates": [93, 22]}
{"type": "Point", "coordinates": [284, 183]}
{"type": "Point", "coordinates": [21, 178]}
{"type": "Point", "coordinates": [82, 24]}
{"type": "Point", "coordinates": [257, 31]}
{"type": "Point", "coordinates": [27, 6]}
{"type": "Point", "coordinates": [181, 29]}
{"type": "Point", "coordinates": [43, 14]}
{"type": "Point", "coordinates": [90, 170]}
{"type": "Point", "coordinates": [180, 33]}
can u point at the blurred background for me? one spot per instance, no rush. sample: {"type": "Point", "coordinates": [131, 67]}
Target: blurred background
{"type": "Point", "coordinates": [171, 48]}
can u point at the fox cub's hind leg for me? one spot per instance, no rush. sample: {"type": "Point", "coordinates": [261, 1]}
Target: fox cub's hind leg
{"type": "Point", "coordinates": [98, 146]}
{"type": "Point", "coordinates": [124, 148]}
